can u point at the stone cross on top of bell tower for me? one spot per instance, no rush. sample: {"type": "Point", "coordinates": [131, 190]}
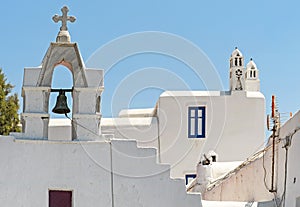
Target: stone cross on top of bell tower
{"type": "Point", "coordinates": [63, 35]}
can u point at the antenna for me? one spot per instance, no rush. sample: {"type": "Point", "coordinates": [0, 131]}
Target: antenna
{"type": "Point", "coordinates": [273, 106]}
{"type": "Point", "coordinates": [268, 122]}
{"type": "Point", "coordinates": [275, 116]}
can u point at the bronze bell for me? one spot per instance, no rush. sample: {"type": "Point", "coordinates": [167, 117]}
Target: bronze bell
{"type": "Point", "coordinates": [61, 106]}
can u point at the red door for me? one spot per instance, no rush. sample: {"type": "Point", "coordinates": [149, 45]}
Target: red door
{"type": "Point", "coordinates": [59, 198]}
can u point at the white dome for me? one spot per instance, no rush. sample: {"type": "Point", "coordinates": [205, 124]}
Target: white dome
{"type": "Point", "coordinates": [236, 52]}
{"type": "Point", "coordinates": [251, 65]}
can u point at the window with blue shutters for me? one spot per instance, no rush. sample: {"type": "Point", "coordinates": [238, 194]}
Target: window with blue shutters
{"type": "Point", "coordinates": [189, 178]}
{"type": "Point", "coordinates": [196, 122]}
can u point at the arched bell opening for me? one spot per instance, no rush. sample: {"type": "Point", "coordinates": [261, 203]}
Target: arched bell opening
{"type": "Point", "coordinates": [60, 104]}
{"type": "Point", "coordinates": [62, 78]}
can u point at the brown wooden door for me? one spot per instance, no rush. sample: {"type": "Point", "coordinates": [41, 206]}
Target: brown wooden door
{"type": "Point", "coordinates": [59, 198]}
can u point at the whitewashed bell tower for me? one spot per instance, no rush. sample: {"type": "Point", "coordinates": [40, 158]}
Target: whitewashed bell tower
{"type": "Point", "coordinates": [237, 71]}
{"type": "Point", "coordinates": [252, 81]}
{"type": "Point", "coordinates": [86, 91]}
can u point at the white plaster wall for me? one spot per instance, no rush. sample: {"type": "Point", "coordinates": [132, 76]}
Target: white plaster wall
{"type": "Point", "coordinates": [246, 185]}
{"type": "Point", "coordinates": [243, 126]}
{"type": "Point", "coordinates": [149, 184]}
{"type": "Point", "coordinates": [35, 125]}
{"type": "Point", "coordinates": [253, 85]}
{"type": "Point", "coordinates": [60, 129]}
{"type": "Point", "coordinates": [85, 99]}
{"type": "Point", "coordinates": [86, 126]}
{"type": "Point", "coordinates": [230, 123]}
{"type": "Point", "coordinates": [95, 77]}
{"type": "Point", "coordinates": [34, 99]}
{"type": "Point", "coordinates": [142, 129]}
{"type": "Point", "coordinates": [29, 168]}
{"type": "Point", "coordinates": [31, 76]}
{"type": "Point", "coordinates": [293, 169]}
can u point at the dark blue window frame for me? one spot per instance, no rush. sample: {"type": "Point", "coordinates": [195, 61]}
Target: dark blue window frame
{"type": "Point", "coordinates": [194, 116]}
{"type": "Point", "coordinates": [189, 176]}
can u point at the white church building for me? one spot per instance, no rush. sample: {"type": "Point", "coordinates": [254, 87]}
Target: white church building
{"type": "Point", "coordinates": [143, 157]}
{"type": "Point", "coordinates": [184, 125]}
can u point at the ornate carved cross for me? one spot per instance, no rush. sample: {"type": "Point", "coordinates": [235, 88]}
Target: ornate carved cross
{"type": "Point", "coordinates": [64, 18]}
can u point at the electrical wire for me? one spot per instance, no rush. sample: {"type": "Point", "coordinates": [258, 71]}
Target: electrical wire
{"type": "Point", "coordinates": [234, 171]}
{"type": "Point", "coordinates": [285, 176]}
{"type": "Point", "coordinates": [265, 171]}
{"type": "Point", "coordinates": [286, 146]}
{"type": "Point", "coordinates": [288, 143]}
{"type": "Point", "coordinates": [249, 160]}
{"type": "Point", "coordinates": [89, 130]}
{"type": "Point", "coordinates": [111, 158]}
{"type": "Point", "coordinates": [265, 176]}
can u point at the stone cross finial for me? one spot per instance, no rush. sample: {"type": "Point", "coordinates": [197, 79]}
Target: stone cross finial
{"type": "Point", "coordinates": [64, 18]}
{"type": "Point", "coordinates": [63, 35]}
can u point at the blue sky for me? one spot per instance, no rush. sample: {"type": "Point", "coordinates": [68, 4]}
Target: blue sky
{"type": "Point", "coordinates": [267, 31]}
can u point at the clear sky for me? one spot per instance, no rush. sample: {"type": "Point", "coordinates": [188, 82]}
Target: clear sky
{"type": "Point", "coordinates": [267, 31]}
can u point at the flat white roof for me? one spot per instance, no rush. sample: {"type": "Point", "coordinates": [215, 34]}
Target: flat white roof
{"type": "Point", "coordinates": [249, 94]}
{"type": "Point", "coordinates": [226, 204]}
{"type": "Point", "coordinates": [255, 94]}
{"type": "Point", "coordinates": [111, 122]}
{"type": "Point", "coordinates": [190, 93]}
{"type": "Point", "coordinates": [59, 122]}
{"type": "Point", "coordinates": [147, 112]}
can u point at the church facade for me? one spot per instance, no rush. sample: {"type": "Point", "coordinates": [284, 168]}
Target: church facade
{"type": "Point", "coordinates": [69, 162]}
{"type": "Point", "coordinates": [143, 157]}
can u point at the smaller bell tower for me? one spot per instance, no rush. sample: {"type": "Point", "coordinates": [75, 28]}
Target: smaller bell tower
{"type": "Point", "coordinates": [252, 81]}
{"type": "Point", "coordinates": [86, 91]}
{"type": "Point", "coordinates": [236, 71]}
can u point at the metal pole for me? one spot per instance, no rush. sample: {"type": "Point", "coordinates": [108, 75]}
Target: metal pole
{"type": "Point", "coordinates": [273, 160]}
{"type": "Point", "coordinates": [275, 125]}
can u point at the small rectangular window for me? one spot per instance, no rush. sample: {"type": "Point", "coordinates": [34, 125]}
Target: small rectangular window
{"type": "Point", "coordinates": [189, 178]}
{"type": "Point", "coordinates": [60, 198]}
{"type": "Point", "coordinates": [196, 122]}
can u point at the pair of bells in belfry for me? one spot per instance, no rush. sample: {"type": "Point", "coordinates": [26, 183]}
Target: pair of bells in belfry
{"type": "Point", "coordinates": [61, 106]}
